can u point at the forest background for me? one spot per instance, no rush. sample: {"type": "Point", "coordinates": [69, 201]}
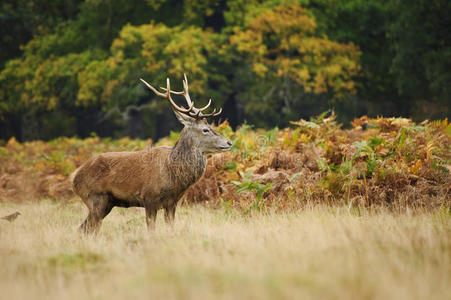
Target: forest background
{"type": "Point", "coordinates": [72, 68]}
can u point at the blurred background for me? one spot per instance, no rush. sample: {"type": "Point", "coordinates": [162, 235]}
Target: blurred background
{"type": "Point", "coordinates": [72, 68]}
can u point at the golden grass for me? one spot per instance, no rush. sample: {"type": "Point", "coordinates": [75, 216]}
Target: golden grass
{"type": "Point", "coordinates": [320, 253]}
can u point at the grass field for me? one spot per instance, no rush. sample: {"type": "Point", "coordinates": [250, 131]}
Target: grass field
{"type": "Point", "coordinates": [321, 253]}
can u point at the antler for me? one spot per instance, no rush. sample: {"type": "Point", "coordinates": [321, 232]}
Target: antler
{"type": "Point", "coordinates": [168, 96]}
{"type": "Point", "coordinates": [192, 111]}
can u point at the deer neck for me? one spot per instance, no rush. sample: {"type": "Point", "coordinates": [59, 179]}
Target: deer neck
{"type": "Point", "coordinates": [186, 161]}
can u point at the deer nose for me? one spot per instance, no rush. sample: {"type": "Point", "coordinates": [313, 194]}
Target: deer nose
{"type": "Point", "coordinates": [229, 143]}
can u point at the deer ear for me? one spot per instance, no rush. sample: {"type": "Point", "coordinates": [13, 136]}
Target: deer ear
{"type": "Point", "coordinates": [184, 119]}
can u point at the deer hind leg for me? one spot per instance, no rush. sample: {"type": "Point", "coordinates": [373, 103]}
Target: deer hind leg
{"type": "Point", "coordinates": [99, 207]}
{"type": "Point", "coordinates": [169, 213]}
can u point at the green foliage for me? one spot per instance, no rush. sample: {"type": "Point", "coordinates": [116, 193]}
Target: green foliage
{"type": "Point", "coordinates": [53, 67]}
{"type": "Point", "coordinates": [21, 20]}
{"type": "Point", "coordinates": [146, 51]}
{"type": "Point", "coordinates": [283, 42]}
{"type": "Point", "coordinates": [266, 61]}
{"type": "Point", "coordinates": [420, 36]}
{"type": "Point", "coordinates": [92, 61]}
{"type": "Point", "coordinates": [364, 23]}
{"type": "Point", "coordinates": [170, 140]}
{"type": "Point", "coordinates": [248, 184]}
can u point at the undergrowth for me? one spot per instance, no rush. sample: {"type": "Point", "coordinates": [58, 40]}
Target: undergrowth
{"type": "Point", "coordinates": [390, 162]}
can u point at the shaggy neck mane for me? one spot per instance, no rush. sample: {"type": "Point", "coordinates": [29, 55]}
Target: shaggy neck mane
{"type": "Point", "coordinates": [186, 162]}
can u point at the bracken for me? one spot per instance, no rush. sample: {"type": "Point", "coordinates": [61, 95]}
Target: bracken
{"type": "Point", "coordinates": [390, 162]}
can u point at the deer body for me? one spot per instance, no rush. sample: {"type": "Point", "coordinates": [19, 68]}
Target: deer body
{"type": "Point", "coordinates": [153, 178]}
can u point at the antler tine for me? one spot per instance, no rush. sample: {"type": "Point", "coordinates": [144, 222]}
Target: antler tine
{"type": "Point", "coordinates": [185, 82]}
{"type": "Point", "coordinates": [185, 91]}
{"type": "Point", "coordinates": [212, 114]}
{"type": "Point", "coordinates": [176, 107]}
{"type": "Point", "coordinates": [200, 110]}
{"type": "Point", "coordinates": [167, 95]}
{"type": "Point", "coordinates": [153, 89]}
{"type": "Point", "coordinates": [172, 92]}
{"type": "Point", "coordinates": [206, 106]}
{"type": "Point", "coordinates": [207, 115]}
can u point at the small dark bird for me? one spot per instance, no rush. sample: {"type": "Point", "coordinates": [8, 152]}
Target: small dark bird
{"type": "Point", "coordinates": [11, 217]}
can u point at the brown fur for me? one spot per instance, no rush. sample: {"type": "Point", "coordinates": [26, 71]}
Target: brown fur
{"type": "Point", "coordinates": [152, 178]}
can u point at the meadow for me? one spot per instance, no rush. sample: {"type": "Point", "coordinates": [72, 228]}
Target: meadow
{"type": "Point", "coordinates": [311, 211]}
{"type": "Point", "coordinates": [319, 252]}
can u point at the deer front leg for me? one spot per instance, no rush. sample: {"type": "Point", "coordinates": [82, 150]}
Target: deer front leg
{"type": "Point", "coordinates": [151, 215]}
{"type": "Point", "coordinates": [169, 213]}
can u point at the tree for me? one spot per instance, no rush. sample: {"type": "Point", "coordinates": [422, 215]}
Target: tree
{"type": "Point", "coordinates": [265, 61]}
{"type": "Point", "coordinates": [421, 42]}
{"type": "Point", "coordinates": [20, 20]}
{"type": "Point", "coordinates": [283, 49]}
{"type": "Point", "coordinates": [45, 77]}
{"type": "Point", "coordinates": [153, 52]}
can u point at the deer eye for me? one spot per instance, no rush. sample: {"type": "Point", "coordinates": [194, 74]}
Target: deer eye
{"type": "Point", "coordinates": [205, 130]}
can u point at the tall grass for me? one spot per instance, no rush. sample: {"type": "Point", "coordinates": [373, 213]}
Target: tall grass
{"type": "Point", "coordinates": [320, 253]}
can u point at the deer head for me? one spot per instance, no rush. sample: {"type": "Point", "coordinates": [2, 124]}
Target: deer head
{"type": "Point", "coordinates": [197, 129]}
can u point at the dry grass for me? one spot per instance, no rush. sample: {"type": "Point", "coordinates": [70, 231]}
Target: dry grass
{"type": "Point", "coordinates": [318, 253]}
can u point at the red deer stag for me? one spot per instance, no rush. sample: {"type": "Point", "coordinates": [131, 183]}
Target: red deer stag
{"type": "Point", "coordinates": [152, 178]}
